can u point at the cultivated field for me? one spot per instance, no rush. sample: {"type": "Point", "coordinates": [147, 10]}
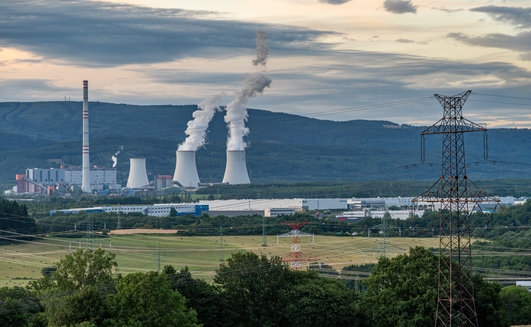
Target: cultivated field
{"type": "Point", "coordinates": [21, 262]}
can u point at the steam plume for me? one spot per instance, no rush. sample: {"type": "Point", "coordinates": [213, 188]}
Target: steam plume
{"type": "Point", "coordinates": [115, 157]}
{"type": "Point", "coordinates": [261, 49]}
{"type": "Point", "coordinates": [254, 84]}
{"type": "Point", "coordinates": [197, 127]}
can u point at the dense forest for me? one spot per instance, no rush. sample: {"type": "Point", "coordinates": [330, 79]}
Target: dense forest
{"type": "Point", "coordinates": [282, 147]}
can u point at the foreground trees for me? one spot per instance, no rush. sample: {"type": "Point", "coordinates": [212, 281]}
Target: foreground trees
{"type": "Point", "coordinates": [146, 299]}
{"type": "Point", "coordinates": [403, 292]}
{"type": "Point", "coordinates": [263, 291]}
{"type": "Point", "coordinates": [248, 290]}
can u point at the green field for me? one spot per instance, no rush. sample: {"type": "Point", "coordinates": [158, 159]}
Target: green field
{"type": "Point", "coordinates": [21, 262]}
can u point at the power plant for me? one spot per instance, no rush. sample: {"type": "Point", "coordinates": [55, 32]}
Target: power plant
{"type": "Point", "coordinates": [137, 173]}
{"type": "Point", "coordinates": [236, 168]}
{"type": "Point", "coordinates": [85, 167]}
{"type": "Point", "coordinates": [185, 174]}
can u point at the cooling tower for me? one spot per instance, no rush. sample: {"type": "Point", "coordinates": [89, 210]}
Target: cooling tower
{"type": "Point", "coordinates": [185, 169]}
{"type": "Point", "coordinates": [85, 166]}
{"type": "Point", "coordinates": [137, 173]}
{"type": "Point", "coordinates": [236, 169]}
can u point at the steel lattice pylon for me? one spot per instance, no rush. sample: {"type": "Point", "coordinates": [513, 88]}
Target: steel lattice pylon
{"type": "Point", "coordinates": [457, 196]}
{"type": "Point", "coordinates": [296, 257]}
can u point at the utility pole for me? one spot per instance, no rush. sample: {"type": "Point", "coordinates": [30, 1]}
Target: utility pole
{"type": "Point", "coordinates": [221, 244]}
{"type": "Point", "coordinates": [119, 225]}
{"type": "Point", "coordinates": [457, 196]}
{"type": "Point", "coordinates": [158, 258]}
{"type": "Point", "coordinates": [264, 239]}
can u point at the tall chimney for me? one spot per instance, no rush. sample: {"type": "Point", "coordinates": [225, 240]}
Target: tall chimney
{"type": "Point", "coordinates": [236, 169]}
{"type": "Point", "coordinates": [85, 173]}
{"type": "Point", "coordinates": [137, 173]}
{"type": "Point", "coordinates": [185, 169]}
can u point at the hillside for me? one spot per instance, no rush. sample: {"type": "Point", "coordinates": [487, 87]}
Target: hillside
{"type": "Point", "coordinates": [283, 147]}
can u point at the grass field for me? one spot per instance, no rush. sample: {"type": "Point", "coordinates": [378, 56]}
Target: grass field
{"type": "Point", "coordinates": [21, 262]}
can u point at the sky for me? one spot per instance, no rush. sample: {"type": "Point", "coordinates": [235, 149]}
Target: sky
{"type": "Point", "coordinates": [328, 59]}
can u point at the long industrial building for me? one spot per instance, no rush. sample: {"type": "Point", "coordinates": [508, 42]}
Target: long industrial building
{"type": "Point", "coordinates": [46, 180]}
{"type": "Point", "coordinates": [155, 210]}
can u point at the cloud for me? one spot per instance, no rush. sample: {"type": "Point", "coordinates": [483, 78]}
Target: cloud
{"type": "Point", "coordinates": [520, 42]}
{"type": "Point", "coordinates": [335, 2]}
{"type": "Point", "coordinates": [126, 34]}
{"type": "Point", "coordinates": [32, 90]}
{"type": "Point", "coordinates": [516, 16]}
{"type": "Point", "coordinates": [404, 41]}
{"type": "Point", "coordinates": [446, 10]}
{"type": "Point", "coordinates": [342, 85]}
{"type": "Point", "coordinates": [399, 6]}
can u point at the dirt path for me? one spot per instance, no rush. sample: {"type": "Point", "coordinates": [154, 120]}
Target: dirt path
{"type": "Point", "coordinates": [143, 231]}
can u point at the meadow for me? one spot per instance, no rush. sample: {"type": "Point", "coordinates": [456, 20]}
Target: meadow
{"type": "Point", "coordinates": [22, 262]}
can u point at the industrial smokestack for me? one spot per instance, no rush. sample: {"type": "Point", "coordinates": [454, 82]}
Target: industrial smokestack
{"type": "Point", "coordinates": [137, 173]}
{"type": "Point", "coordinates": [85, 172]}
{"type": "Point", "coordinates": [185, 169]}
{"type": "Point", "coordinates": [236, 169]}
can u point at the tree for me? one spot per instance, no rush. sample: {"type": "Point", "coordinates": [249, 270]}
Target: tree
{"type": "Point", "coordinates": [255, 287]}
{"type": "Point", "coordinates": [402, 291]}
{"type": "Point", "coordinates": [87, 306]}
{"type": "Point", "coordinates": [19, 307]}
{"type": "Point", "coordinates": [317, 301]}
{"type": "Point", "coordinates": [263, 291]}
{"type": "Point", "coordinates": [489, 303]}
{"type": "Point", "coordinates": [86, 277]}
{"type": "Point", "coordinates": [78, 270]}
{"type": "Point", "coordinates": [517, 303]}
{"type": "Point", "coordinates": [146, 299]}
{"type": "Point", "coordinates": [206, 299]}
{"type": "Point", "coordinates": [173, 212]}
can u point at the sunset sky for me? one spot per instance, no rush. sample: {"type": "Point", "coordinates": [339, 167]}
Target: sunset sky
{"type": "Point", "coordinates": [328, 59]}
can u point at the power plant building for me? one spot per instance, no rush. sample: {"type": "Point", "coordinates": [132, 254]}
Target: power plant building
{"type": "Point", "coordinates": [39, 180]}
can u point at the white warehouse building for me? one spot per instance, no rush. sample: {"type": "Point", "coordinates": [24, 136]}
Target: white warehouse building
{"type": "Point", "coordinates": [263, 204]}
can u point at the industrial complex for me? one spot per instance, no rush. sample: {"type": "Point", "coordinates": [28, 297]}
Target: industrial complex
{"type": "Point", "coordinates": [104, 180]}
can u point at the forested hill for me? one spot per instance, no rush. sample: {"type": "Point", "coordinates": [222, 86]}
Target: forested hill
{"type": "Point", "coordinates": [282, 147]}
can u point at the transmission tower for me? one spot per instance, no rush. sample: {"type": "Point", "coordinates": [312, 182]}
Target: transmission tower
{"type": "Point", "coordinates": [296, 257]}
{"type": "Point", "coordinates": [385, 247]}
{"type": "Point", "coordinates": [457, 196]}
{"type": "Point", "coordinates": [90, 232]}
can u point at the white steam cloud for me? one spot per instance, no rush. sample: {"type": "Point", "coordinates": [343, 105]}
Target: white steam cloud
{"type": "Point", "coordinates": [236, 112]}
{"type": "Point", "coordinates": [115, 157]}
{"type": "Point", "coordinates": [197, 127]}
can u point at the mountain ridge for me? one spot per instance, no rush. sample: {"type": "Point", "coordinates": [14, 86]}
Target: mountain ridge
{"type": "Point", "coordinates": [282, 147]}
